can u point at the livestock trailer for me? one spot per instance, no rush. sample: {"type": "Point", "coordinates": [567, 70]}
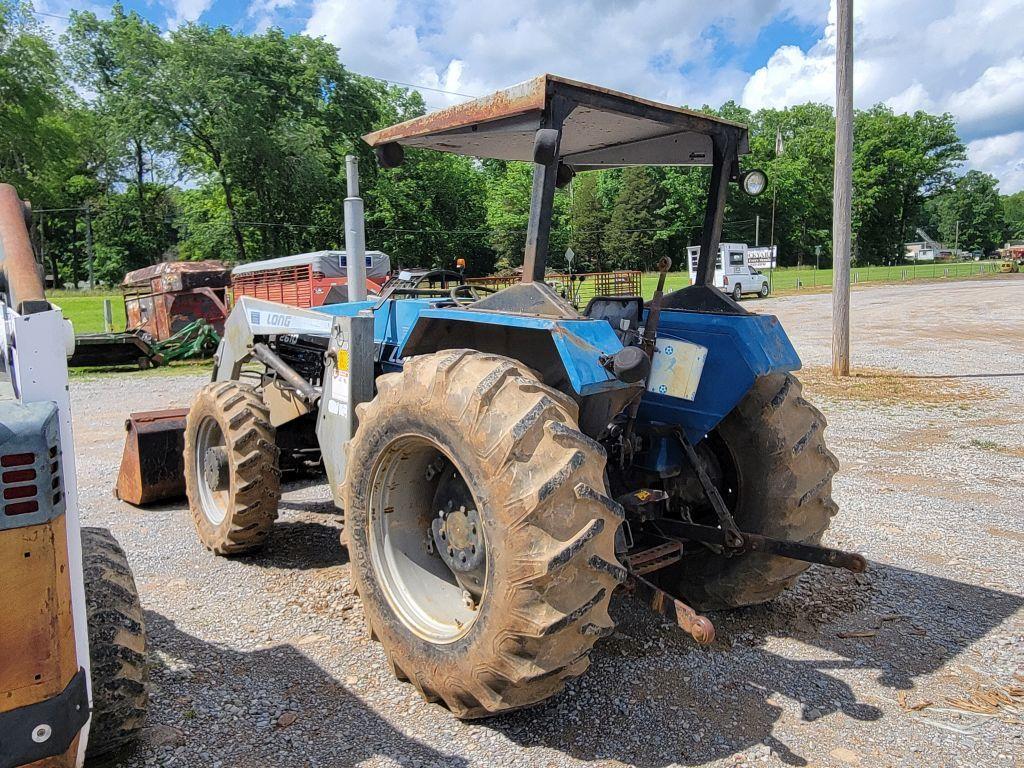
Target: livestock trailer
{"type": "Point", "coordinates": [306, 279]}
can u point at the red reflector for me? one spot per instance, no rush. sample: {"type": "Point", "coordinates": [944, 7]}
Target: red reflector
{"type": "Point", "coordinates": [19, 475]}
{"type": "Point", "coordinates": [20, 492]}
{"type": "Point", "coordinates": [22, 508]}
{"type": "Point", "coordinates": [17, 459]}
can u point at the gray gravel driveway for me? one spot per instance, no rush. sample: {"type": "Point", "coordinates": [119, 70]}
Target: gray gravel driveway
{"type": "Point", "coordinates": [264, 660]}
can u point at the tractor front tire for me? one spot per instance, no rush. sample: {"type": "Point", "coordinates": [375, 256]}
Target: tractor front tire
{"type": "Point", "coordinates": [117, 644]}
{"type": "Point", "coordinates": [784, 472]}
{"type": "Point", "coordinates": [536, 485]}
{"type": "Point", "coordinates": [231, 468]}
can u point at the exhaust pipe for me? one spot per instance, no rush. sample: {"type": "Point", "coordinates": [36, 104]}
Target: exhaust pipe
{"type": "Point", "coordinates": [355, 233]}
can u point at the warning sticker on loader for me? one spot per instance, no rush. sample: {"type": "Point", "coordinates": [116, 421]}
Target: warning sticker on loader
{"type": "Point", "coordinates": [677, 368]}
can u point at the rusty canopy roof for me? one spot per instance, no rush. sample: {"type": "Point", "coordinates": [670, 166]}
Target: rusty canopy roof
{"type": "Point", "coordinates": [605, 128]}
{"type": "Point", "coordinates": [142, 277]}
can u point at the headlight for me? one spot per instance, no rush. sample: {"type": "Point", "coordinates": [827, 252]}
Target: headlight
{"type": "Point", "coordinates": [754, 182]}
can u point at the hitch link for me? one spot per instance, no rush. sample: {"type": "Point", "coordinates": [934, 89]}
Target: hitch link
{"type": "Point", "coordinates": [696, 626]}
{"type": "Point", "coordinates": [752, 542]}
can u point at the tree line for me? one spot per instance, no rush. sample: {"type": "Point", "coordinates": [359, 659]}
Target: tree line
{"type": "Point", "coordinates": [137, 146]}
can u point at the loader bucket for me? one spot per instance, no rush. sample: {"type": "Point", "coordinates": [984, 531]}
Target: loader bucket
{"type": "Point", "coordinates": [153, 464]}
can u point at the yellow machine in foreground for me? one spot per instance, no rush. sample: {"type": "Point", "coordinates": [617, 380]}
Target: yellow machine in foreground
{"type": "Point", "coordinates": [73, 679]}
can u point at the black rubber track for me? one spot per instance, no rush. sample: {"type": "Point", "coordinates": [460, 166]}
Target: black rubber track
{"type": "Point", "coordinates": [117, 644]}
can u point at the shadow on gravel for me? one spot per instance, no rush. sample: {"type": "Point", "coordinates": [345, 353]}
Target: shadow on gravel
{"type": "Point", "coordinates": [307, 534]}
{"type": "Point", "coordinates": [301, 545]}
{"type": "Point", "coordinates": [268, 707]}
{"type": "Point", "coordinates": [652, 697]}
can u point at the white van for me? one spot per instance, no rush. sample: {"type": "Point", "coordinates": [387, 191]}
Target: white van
{"type": "Point", "coordinates": [738, 276]}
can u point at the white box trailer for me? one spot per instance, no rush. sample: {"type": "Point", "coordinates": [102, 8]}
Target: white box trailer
{"type": "Point", "coordinates": [738, 268]}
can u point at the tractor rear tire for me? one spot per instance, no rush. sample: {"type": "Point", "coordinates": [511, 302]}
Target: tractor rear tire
{"type": "Point", "coordinates": [548, 528]}
{"type": "Point", "coordinates": [117, 644]}
{"type": "Point", "coordinates": [235, 513]}
{"type": "Point", "coordinates": [784, 489]}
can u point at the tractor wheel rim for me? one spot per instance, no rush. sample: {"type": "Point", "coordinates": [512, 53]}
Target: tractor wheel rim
{"type": "Point", "coordinates": [423, 591]}
{"type": "Point", "coordinates": [214, 487]}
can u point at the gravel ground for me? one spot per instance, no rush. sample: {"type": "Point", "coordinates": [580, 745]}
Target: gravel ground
{"type": "Point", "coordinates": [264, 661]}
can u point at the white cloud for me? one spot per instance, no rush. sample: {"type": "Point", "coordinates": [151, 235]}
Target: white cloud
{"type": "Point", "coordinates": [183, 11]}
{"type": "Point", "coordinates": [791, 77]}
{"type": "Point", "coordinates": [993, 102]}
{"type": "Point", "coordinates": [960, 56]}
{"type": "Point", "coordinates": [1003, 157]}
{"type": "Point", "coordinates": [477, 46]}
{"type": "Point", "coordinates": [263, 13]}
{"type": "Point", "coordinates": [935, 55]}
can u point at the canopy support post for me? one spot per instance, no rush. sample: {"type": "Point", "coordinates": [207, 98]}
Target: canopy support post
{"type": "Point", "coordinates": [724, 150]}
{"type": "Point", "coordinates": [542, 198]}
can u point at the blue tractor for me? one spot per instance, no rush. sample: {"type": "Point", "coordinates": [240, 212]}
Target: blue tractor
{"type": "Point", "coordinates": [504, 462]}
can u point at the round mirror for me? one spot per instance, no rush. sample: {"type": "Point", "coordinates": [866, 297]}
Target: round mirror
{"type": "Point", "coordinates": [754, 182]}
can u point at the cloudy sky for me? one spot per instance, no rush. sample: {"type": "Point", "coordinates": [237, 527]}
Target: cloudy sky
{"type": "Point", "coordinates": [961, 56]}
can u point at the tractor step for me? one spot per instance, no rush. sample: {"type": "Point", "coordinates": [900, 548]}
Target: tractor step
{"type": "Point", "coordinates": [654, 558]}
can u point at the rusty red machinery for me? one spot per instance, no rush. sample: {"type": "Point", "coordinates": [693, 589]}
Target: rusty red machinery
{"type": "Point", "coordinates": [306, 279]}
{"type": "Point", "coordinates": [162, 299]}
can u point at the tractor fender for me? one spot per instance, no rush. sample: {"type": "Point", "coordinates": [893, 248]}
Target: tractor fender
{"type": "Point", "coordinates": [565, 352]}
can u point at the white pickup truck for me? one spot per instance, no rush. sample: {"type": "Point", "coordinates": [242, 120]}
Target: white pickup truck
{"type": "Point", "coordinates": [734, 273]}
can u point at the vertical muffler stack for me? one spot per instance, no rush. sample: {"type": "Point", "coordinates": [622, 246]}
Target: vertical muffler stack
{"type": "Point", "coordinates": [355, 233]}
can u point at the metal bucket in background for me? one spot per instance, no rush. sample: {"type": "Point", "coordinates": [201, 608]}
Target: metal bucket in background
{"type": "Point", "coordinates": [153, 464]}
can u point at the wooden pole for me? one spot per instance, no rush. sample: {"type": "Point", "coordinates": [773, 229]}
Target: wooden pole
{"type": "Point", "coordinates": [88, 245]}
{"type": "Point", "coordinates": [842, 191]}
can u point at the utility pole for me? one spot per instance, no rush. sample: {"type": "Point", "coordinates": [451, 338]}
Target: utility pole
{"type": "Point", "coordinates": [42, 249]}
{"type": "Point", "coordinates": [88, 244]}
{"type": "Point", "coordinates": [956, 241]}
{"type": "Point", "coordinates": [842, 191]}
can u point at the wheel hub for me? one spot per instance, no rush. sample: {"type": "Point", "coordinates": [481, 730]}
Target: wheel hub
{"type": "Point", "coordinates": [457, 537]}
{"type": "Point", "coordinates": [427, 544]}
{"type": "Point", "coordinates": [456, 532]}
{"type": "Point", "coordinates": [215, 467]}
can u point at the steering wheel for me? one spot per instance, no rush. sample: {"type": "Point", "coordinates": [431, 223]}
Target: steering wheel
{"type": "Point", "coordinates": [475, 292]}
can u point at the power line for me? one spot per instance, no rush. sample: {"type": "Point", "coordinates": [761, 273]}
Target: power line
{"type": "Point", "coordinates": [408, 231]}
{"type": "Point", "coordinates": [420, 87]}
{"type": "Point", "coordinates": [51, 15]}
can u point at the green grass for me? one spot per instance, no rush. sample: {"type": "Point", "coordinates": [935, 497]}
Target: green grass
{"type": "Point", "coordinates": [176, 368]}
{"type": "Point", "coordinates": [801, 278]}
{"type": "Point", "coordinates": [85, 309]}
